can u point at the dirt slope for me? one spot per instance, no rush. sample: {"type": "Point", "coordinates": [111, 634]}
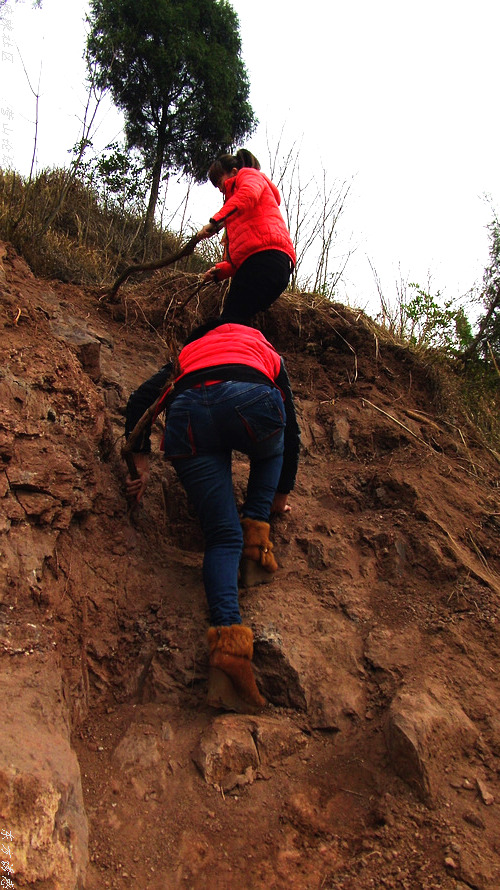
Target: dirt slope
{"type": "Point", "coordinates": [377, 762]}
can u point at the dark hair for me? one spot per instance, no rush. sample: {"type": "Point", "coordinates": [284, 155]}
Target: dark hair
{"type": "Point", "coordinates": [209, 325]}
{"type": "Point", "coordinates": [215, 321]}
{"type": "Point", "coordinates": [226, 163]}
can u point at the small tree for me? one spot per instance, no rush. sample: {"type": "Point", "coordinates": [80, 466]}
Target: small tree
{"type": "Point", "coordinates": [174, 69]}
{"type": "Point", "coordinates": [312, 209]}
{"type": "Point", "coordinates": [487, 338]}
{"type": "Point", "coordinates": [118, 178]}
{"type": "Point", "coordinates": [432, 323]}
{"type": "Point", "coordinates": [423, 319]}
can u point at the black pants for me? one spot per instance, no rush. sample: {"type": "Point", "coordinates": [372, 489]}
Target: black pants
{"type": "Point", "coordinates": [256, 285]}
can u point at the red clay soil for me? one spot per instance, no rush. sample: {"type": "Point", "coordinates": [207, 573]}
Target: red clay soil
{"type": "Point", "coordinates": [377, 761]}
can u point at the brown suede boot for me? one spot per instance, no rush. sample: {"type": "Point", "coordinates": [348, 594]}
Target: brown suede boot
{"type": "Point", "coordinates": [231, 682]}
{"type": "Point", "coordinates": [257, 564]}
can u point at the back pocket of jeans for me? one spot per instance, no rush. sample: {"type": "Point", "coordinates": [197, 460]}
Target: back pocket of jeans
{"type": "Point", "coordinates": [179, 440]}
{"type": "Point", "coordinates": [263, 417]}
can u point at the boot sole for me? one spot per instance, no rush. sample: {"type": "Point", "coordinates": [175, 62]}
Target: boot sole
{"type": "Point", "coordinates": [252, 574]}
{"type": "Point", "coordinates": [223, 695]}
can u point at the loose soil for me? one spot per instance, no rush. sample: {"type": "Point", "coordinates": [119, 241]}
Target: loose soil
{"type": "Point", "coordinates": [376, 644]}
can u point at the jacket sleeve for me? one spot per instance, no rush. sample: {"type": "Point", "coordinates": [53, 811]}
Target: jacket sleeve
{"type": "Point", "coordinates": [246, 195]}
{"type": "Point", "coordinates": [140, 400]}
{"type": "Point", "coordinates": [224, 270]}
{"type": "Point", "coordinates": [292, 435]}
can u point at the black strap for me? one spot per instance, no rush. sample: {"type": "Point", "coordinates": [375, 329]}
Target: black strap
{"type": "Point", "coordinates": [241, 373]}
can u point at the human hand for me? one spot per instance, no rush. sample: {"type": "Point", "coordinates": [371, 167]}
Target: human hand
{"type": "Point", "coordinates": [210, 274]}
{"type": "Point", "coordinates": [136, 487]}
{"type": "Point", "coordinates": [207, 231]}
{"type": "Point", "coordinates": [280, 503]}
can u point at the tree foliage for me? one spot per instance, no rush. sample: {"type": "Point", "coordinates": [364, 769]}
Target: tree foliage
{"type": "Point", "coordinates": [423, 319]}
{"type": "Point", "coordinates": [436, 324]}
{"type": "Point", "coordinates": [174, 69]}
{"type": "Point", "coordinates": [117, 177]}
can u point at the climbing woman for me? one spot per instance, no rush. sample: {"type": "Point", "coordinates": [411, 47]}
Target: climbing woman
{"type": "Point", "coordinates": [233, 393]}
{"type": "Point", "coordinates": [259, 255]}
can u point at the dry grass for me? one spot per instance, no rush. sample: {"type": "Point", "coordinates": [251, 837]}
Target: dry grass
{"type": "Point", "coordinates": [463, 397]}
{"type": "Point", "coordinates": [78, 240]}
{"type": "Point", "coordinates": [63, 231]}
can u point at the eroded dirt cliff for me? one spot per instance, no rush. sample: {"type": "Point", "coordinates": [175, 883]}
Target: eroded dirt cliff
{"type": "Point", "coordinates": [376, 764]}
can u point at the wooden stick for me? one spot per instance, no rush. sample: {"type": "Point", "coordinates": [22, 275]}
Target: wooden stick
{"type": "Point", "coordinates": [147, 267]}
{"type": "Point", "coordinates": [127, 453]}
{"type": "Point", "coordinates": [141, 423]}
{"type": "Point", "coordinates": [394, 419]}
{"type": "Point", "coordinates": [129, 460]}
{"type": "Point", "coordinates": [188, 299]}
{"type": "Point", "coordinates": [422, 417]}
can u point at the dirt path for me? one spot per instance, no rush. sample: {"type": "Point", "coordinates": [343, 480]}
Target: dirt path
{"type": "Point", "coordinates": [376, 764]}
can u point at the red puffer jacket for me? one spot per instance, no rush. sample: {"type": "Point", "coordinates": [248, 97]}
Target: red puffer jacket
{"type": "Point", "coordinates": [229, 347]}
{"type": "Point", "coordinates": [232, 344]}
{"type": "Point", "coordinates": [252, 219]}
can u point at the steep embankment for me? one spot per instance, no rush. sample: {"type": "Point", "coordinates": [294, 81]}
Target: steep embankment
{"type": "Point", "coordinates": [377, 762]}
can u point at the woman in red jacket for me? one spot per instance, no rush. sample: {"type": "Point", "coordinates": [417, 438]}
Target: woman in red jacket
{"type": "Point", "coordinates": [259, 255]}
{"type": "Point", "coordinates": [233, 393]}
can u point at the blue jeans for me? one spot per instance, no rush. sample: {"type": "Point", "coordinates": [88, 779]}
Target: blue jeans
{"type": "Point", "coordinates": [204, 426]}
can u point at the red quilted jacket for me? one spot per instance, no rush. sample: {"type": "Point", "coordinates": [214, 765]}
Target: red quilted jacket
{"type": "Point", "coordinates": [227, 344]}
{"type": "Point", "coordinates": [231, 344]}
{"type": "Point", "coordinates": [252, 219]}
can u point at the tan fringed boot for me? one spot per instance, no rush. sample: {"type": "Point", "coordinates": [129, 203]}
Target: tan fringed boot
{"type": "Point", "coordinates": [231, 682]}
{"type": "Point", "coordinates": [258, 564]}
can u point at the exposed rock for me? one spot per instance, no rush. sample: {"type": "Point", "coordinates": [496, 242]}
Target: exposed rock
{"type": "Point", "coordinates": [89, 355]}
{"type": "Point", "coordinates": [278, 678]}
{"type": "Point", "coordinates": [391, 651]}
{"type": "Point", "coordinates": [276, 738]}
{"type": "Point", "coordinates": [226, 747]}
{"type": "Point", "coordinates": [138, 749]}
{"type": "Point", "coordinates": [234, 744]}
{"type": "Point", "coordinates": [323, 678]}
{"type": "Point", "coordinates": [422, 728]}
{"type": "Point", "coordinates": [486, 796]}
{"type": "Point", "coordinates": [313, 433]}
{"type": "Point", "coordinates": [341, 435]}
{"type": "Point", "coordinates": [474, 818]}
{"type": "Point", "coordinates": [40, 787]}
{"type": "Point", "coordinates": [87, 347]}
{"type": "Point", "coordinates": [317, 554]}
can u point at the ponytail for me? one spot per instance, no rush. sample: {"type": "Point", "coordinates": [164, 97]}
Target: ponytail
{"type": "Point", "coordinates": [226, 163]}
{"type": "Point", "coordinates": [245, 158]}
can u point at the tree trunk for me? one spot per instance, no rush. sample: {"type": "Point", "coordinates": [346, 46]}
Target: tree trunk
{"type": "Point", "coordinates": [153, 197]}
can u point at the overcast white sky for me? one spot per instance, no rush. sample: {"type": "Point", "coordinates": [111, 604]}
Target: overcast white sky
{"type": "Point", "coordinates": [401, 98]}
